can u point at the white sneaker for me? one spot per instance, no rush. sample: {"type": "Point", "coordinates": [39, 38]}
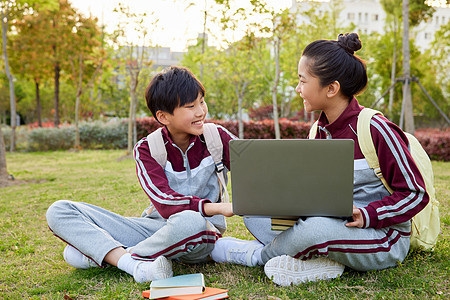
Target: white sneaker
{"type": "Point", "coordinates": [232, 250]}
{"type": "Point", "coordinates": [145, 271]}
{"type": "Point", "coordinates": [77, 259]}
{"type": "Point", "coordinates": [284, 270]}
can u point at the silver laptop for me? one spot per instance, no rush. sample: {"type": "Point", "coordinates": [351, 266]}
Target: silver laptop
{"type": "Point", "coordinates": [292, 177]}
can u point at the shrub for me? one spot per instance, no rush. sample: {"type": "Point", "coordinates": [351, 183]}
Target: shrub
{"type": "Point", "coordinates": [100, 135]}
{"type": "Point", "coordinates": [144, 126]}
{"type": "Point", "coordinates": [21, 137]}
{"type": "Point", "coordinates": [436, 142]}
{"type": "Point", "coordinates": [50, 138]}
{"type": "Point", "coordinates": [265, 129]}
{"type": "Point", "coordinates": [93, 135]}
{"type": "Point", "coordinates": [113, 135]}
{"type": "Point", "coordinates": [261, 113]}
{"type": "Point", "coordinates": [252, 129]}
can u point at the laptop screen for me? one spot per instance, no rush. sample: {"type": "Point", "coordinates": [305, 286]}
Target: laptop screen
{"type": "Point", "coordinates": [292, 177]}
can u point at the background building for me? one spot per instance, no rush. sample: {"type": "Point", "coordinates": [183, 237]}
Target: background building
{"type": "Point", "coordinates": [368, 16]}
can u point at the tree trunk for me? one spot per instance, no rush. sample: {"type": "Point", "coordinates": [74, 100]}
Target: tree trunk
{"type": "Point", "coordinates": [240, 121]}
{"type": "Point", "coordinates": [240, 97]}
{"type": "Point", "coordinates": [77, 103]}
{"type": "Point", "coordinates": [409, 118]}
{"type": "Point", "coordinates": [393, 71]}
{"type": "Point", "coordinates": [38, 103]}
{"type": "Point", "coordinates": [275, 87]}
{"type": "Point", "coordinates": [77, 128]}
{"type": "Point", "coordinates": [203, 42]}
{"type": "Point", "coordinates": [57, 74]}
{"type": "Point", "coordinates": [12, 96]}
{"type": "Point", "coordinates": [3, 169]}
{"type": "Point", "coordinates": [132, 115]}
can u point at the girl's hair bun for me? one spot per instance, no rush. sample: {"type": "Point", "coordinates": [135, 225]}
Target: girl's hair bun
{"type": "Point", "coordinates": [350, 42]}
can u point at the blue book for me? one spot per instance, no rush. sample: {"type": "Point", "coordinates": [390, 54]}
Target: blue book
{"type": "Point", "coordinates": [178, 285]}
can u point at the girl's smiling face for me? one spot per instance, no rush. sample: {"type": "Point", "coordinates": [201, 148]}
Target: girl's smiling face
{"type": "Point", "coordinates": [314, 95]}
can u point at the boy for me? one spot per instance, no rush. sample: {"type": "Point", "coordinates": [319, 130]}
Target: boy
{"type": "Point", "coordinates": [185, 217]}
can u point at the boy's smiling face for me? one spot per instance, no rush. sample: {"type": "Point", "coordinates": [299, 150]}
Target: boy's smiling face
{"type": "Point", "coordinates": [185, 120]}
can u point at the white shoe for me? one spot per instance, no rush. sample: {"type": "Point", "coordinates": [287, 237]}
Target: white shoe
{"type": "Point", "coordinates": [284, 270]}
{"type": "Point", "coordinates": [146, 271]}
{"type": "Point", "coordinates": [77, 259]}
{"type": "Point", "coordinates": [232, 250]}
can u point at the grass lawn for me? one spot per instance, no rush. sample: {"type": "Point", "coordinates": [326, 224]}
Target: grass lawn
{"type": "Point", "coordinates": [32, 266]}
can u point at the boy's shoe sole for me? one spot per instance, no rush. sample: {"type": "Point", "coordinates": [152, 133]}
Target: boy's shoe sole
{"type": "Point", "coordinates": [285, 270]}
{"type": "Point", "coordinates": [76, 259]}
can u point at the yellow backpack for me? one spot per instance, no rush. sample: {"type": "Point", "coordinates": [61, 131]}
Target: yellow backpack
{"type": "Point", "coordinates": [426, 224]}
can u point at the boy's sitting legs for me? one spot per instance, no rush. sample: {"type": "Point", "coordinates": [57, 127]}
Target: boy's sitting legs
{"type": "Point", "coordinates": [142, 271]}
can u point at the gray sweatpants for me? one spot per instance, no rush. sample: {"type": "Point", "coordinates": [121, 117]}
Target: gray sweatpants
{"type": "Point", "coordinates": [95, 231]}
{"type": "Point", "coordinates": [359, 249]}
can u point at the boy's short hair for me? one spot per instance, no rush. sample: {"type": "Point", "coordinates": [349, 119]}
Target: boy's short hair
{"type": "Point", "coordinates": [171, 88]}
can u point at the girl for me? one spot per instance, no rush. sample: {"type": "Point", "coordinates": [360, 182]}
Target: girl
{"type": "Point", "coordinates": [378, 237]}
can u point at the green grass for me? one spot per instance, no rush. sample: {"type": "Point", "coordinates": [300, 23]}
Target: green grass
{"type": "Point", "coordinates": [32, 267]}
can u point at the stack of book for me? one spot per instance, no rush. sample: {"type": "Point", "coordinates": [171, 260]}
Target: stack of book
{"type": "Point", "coordinates": [283, 223]}
{"type": "Point", "coordinates": [183, 287]}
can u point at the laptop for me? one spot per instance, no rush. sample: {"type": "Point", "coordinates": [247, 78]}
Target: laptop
{"type": "Point", "coordinates": [292, 177]}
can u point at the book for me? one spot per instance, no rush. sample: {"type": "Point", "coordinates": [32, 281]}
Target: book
{"type": "Point", "coordinates": [178, 285]}
{"type": "Point", "coordinates": [280, 227]}
{"type": "Point", "coordinates": [283, 223]}
{"type": "Point", "coordinates": [209, 294]}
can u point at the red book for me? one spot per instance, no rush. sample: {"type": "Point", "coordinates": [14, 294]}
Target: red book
{"type": "Point", "coordinates": [210, 293]}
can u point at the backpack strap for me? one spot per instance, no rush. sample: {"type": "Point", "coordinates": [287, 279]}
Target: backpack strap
{"type": "Point", "coordinates": [157, 147]}
{"type": "Point", "coordinates": [213, 143]}
{"type": "Point", "coordinates": [313, 130]}
{"type": "Point", "coordinates": [366, 143]}
{"type": "Point", "coordinates": [215, 148]}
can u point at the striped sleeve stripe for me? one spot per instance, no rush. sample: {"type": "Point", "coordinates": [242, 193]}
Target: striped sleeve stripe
{"type": "Point", "coordinates": [403, 156]}
{"type": "Point", "coordinates": [150, 188]}
{"type": "Point", "coordinates": [408, 202]}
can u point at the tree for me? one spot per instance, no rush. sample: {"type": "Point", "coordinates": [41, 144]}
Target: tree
{"type": "Point", "coordinates": [393, 15]}
{"type": "Point", "coordinates": [441, 57]}
{"type": "Point", "coordinates": [407, 108]}
{"type": "Point", "coordinates": [419, 11]}
{"type": "Point", "coordinates": [313, 24]}
{"type": "Point", "coordinates": [61, 23]}
{"type": "Point", "coordinates": [237, 61]}
{"type": "Point", "coordinates": [220, 95]}
{"type": "Point", "coordinates": [3, 167]}
{"type": "Point", "coordinates": [135, 58]}
{"type": "Point", "coordinates": [7, 9]}
{"type": "Point", "coordinates": [86, 60]}
{"type": "Point", "coordinates": [31, 59]}
{"type": "Point", "coordinates": [282, 25]}
{"type": "Point", "coordinates": [239, 57]}
{"type": "Point", "coordinates": [10, 10]}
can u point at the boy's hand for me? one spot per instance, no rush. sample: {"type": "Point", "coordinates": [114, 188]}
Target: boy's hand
{"type": "Point", "coordinates": [358, 220]}
{"type": "Point", "coordinates": [212, 209]}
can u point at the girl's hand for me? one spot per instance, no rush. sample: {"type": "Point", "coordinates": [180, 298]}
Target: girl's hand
{"type": "Point", "coordinates": [358, 220]}
{"type": "Point", "coordinates": [212, 209]}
